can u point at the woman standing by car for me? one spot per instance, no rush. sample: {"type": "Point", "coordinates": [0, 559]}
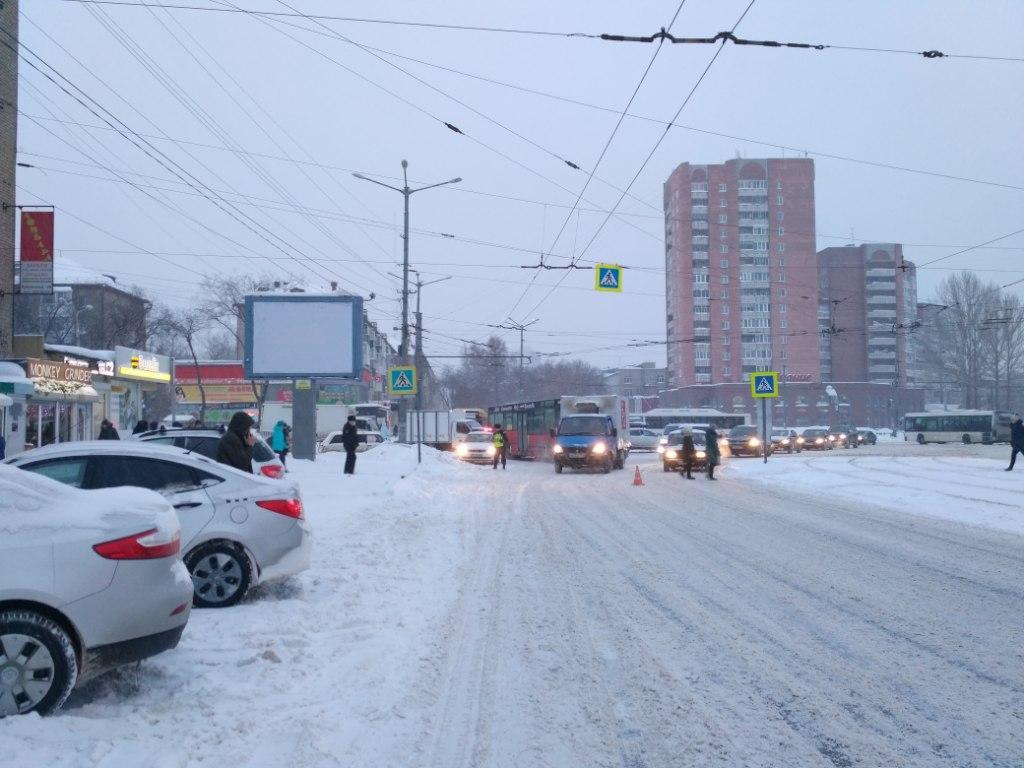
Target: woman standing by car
{"type": "Point", "coordinates": [714, 452]}
{"type": "Point", "coordinates": [279, 441]}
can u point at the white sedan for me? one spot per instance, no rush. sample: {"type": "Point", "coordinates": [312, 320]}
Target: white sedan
{"type": "Point", "coordinates": [476, 448]}
{"type": "Point", "coordinates": [237, 529]}
{"type": "Point", "coordinates": [367, 439]}
{"type": "Point", "coordinates": [643, 439]}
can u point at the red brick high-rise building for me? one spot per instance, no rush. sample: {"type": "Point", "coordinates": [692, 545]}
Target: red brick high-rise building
{"type": "Point", "coordinates": [741, 271]}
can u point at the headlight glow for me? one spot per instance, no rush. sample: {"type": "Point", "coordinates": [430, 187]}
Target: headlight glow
{"type": "Point", "coordinates": [670, 454]}
{"type": "Point", "coordinates": [819, 440]}
{"type": "Point", "coordinates": [662, 441]}
{"type": "Point", "coordinates": [599, 448]}
{"type": "Point", "coordinates": [753, 442]}
{"type": "Point", "coordinates": [661, 449]}
{"type": "Point", "coordinates": [785, 441]}
{"type": "Point", "coordinates": [842, 435]}
{"type": "Point", "coordinates": [701, 455]}
{"type": "Point", "coordinates": [831, 438]}
{"type": "Point", "coordinates": [461, 449]}
{"type": "Point", "coordinates": [556, 449]}
{"type": "Point", "coordinates": [799, 441]}
{"type": "Point", "coordinates": [491, 450]}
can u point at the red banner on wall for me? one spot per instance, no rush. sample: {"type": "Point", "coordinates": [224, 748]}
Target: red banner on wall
{"type": "Point", "coordinates": [36, 252]}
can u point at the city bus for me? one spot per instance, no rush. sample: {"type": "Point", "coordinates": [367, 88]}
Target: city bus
{"type": "Point", "coordinates": [659, 418]}
{"type": "Point", "coordinates": [960, 426]}
{"type": "Point", "coordinates": [528, 425]}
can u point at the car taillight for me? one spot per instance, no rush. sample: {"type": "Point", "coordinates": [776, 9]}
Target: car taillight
{"type": "Point", "coordinates": [147, 545]}
{"type": "Point", "coordinates": [275, 471]}
{"type": "Point", "coordinates": [286, 507]}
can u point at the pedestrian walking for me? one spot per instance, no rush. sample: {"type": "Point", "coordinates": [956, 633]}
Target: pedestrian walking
{"type": "Point", "coordinates": [279, 441]}
{"type": "Point", "coordinates": [350, 442]}
{"type": "Point", "coordinates": [3, 447]}
{"type": "Point", "coordinates": [107, 431]}
{"type": "Point", "coordinates": [1016, 441]}
{"type": "Point", "coordinates": [140, 426]}
{"type": "Point", "coordinates": [500, 442]}
{"type": "Point", "coordinates": [689, 452]}
{"type": "Point", "coordinates": [235, 446]}
{"type": "Point", "coordinates": [713, 451]}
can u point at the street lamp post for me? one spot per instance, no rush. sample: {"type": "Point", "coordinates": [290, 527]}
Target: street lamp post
{"type": "Point", "coordinates": [406, 191]}
{"type": "Point", "coordinates": [419, 360]}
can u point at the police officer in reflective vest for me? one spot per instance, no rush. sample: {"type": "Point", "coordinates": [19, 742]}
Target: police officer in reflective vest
{"type": "Point", "coordinates": [500, 440]}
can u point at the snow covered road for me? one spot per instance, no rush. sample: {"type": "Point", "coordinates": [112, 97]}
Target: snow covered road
{"type": "Point", "coordinates": [466, 617]}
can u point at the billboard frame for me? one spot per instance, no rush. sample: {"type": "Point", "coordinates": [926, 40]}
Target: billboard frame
{"type": "Point", "coordinates": [304, 298]}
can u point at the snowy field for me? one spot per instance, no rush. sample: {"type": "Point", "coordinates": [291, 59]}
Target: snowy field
{"type": "Point", "coordinates": [458, 617]}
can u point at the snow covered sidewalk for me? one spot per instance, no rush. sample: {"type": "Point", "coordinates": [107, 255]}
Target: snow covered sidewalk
{"type": "Point", "coordinates": [306, 672]}
{"type": "Point", "coordinates": [959, 488]}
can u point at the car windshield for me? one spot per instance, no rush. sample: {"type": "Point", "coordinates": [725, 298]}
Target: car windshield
{"type": "Point", "coordinates": [478, 437]}
{"type": "Point", "coordinates": [743, 430]}
{"type": "Point", "coordinates": [814, 433]}
{"type": "Point", "coordinates": [777, 432]}
{"type": "Point", "coordinates": [584, 425]}
{"type": "Point", "coordinates": [699, 438]}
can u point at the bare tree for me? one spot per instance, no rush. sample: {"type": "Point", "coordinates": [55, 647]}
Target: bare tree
{"type": "Point", "coordinates": [186, 327]}
{"type": "Point", "coordinates": [1003, 335]}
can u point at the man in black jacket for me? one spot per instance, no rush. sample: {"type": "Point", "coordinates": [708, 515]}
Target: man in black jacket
{"type": "Point", "coordinates": [1016, 441]}
{"type": "Point", "coordinates": [235, 447]}
{"type": "Point", "coordinates": [107, 431]}
{"type": "Point", "coordinates": [350, 441]}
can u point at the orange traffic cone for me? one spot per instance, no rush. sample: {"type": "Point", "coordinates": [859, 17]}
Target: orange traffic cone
{"type": "Point", "coordinates": [638, 479]}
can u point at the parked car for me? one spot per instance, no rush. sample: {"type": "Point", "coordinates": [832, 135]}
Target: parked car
{"type": "Point", "coordinates": [89, 581]}
{"type": "Point", "coordinates": [204, 442]}
{"type": "Point", "coordinates": [367, 439]}
{"type": "Point", "coordinates": [643, 439]}
{"type": "Point", "coordinates": [745, 441]}
{"type": "Point", "coordinates": [866, 436]}
{"type": "Point", "coordinates": [785, 439]}
{"type": "Point", "coordinates": [237, 529]}
{"type": "Point", "coordinates": [477, 448]}
{"type": "Point", "coordinates": [672, 458]}
{"type": "Point", "coordinates": [816, 439]}
{"type": "Point", "coordinates": [665, 432]}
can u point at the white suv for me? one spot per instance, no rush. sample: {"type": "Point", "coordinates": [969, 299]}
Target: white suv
{"type": "Point", "coordinates": [237, 529]}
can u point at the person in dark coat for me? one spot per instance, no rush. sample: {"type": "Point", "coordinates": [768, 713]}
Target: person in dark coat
{"type": "Point", "coordinates": [3, 447]}
{"type": "Point", "coordinates": [1016, 441]}
{"type": "Point", "coordinates": [107, 431]}
{"type": "Point", "coordinates": [140, 426]}
{"type": "Point", "coordinates": [713, 451]}
{"type": "Point", "coordinates": [689, 452]}
{"type": "Point", "coordinates": [153, 426]}
{"type": "Point", "coordinates": [235, 447]}
{"type": "Point", "coordinates": [350, 442]}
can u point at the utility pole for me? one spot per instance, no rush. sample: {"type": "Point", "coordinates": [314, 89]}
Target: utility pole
{"type": "Point", "coordinates": [511, 325]}
{"type": "Point", "coordinates": [8, 168]}
{"type": "Point", "coordinates": [420, 367]}
{"type": "Point", "coordinates": [406, 191]}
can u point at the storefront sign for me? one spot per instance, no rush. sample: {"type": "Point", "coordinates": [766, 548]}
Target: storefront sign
{"type": "Point", "coordinates": [136, 364]}
{"type": "Point", "coordinates": [51, 370]}
{"type": "Point", "coordinates": [36, 252]}
{"type": "Point", "coordinates": [104, 367]}
{"type": "Point", "coordinates": [215, 393]}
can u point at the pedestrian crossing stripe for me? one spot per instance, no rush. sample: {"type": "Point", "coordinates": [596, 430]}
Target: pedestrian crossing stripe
{"type": "Point", "coordinates": [608, 277]}
{"type": "Point", "coordinates": [402, 380]}
{"type": "Point", "coordinates": [765, 384]}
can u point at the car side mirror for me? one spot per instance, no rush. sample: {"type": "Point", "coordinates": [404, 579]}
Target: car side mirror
{"type": "Point", "coordinates": [552, 433]}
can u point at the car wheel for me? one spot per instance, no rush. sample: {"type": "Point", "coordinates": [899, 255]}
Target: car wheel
{"type": "Point", "coordinates": [920, 439]}
{"type": "Point", "coordinates": [607, 466]}
{"type": "Point", "coordinates": [558, 468]}
{"type": "Point", "coordinates": [665, 467]}
{"type": "Point", "coordinates": [966, 438]}
{"type": "Point", "coordinates": [221, 574]}
{"type": "Point", "coordinates": [38, 666]}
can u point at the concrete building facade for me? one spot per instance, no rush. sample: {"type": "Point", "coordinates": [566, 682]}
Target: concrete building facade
{"type": "Point", "coordinates": [867, 305]}
{"type": "Point", "coordinates": [740, 271]}
{"type": "Point", "coordinates": [643, 380]}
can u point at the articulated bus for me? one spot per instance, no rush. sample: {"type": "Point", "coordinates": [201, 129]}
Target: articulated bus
{"type": "Point", "coordinates": [958, 427]}
{"type": "Point", "coordinates": [659, 418]}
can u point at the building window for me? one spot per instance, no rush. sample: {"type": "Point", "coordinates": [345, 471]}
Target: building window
{"type": "Point", "coordinates": [698, 186]}
{"type": "Point", "coordinates": [724, 294]}
{"type": "Point", "coordinates": [781, 247]}
{"type": "Point", "coordinates": [782, 262]}
{"type": "Point", "coordinates": [727, 371]}
{"type": "Point", "coordinates": [722, 234]}
{"type": "Point", "coordinates": [782, 308]}
{"type": "Point", "coordinates": [782, 276]}
{"type": "Point", "coordinates": [782, 354]}
{"type": "Point", "coordinates": [782, 231]}
{"type": "Point", "coordinates": [724, 279]}
{"type": "Point", "coordinates": [778, 199]}
{"type": "Point", "coordinates": [726, 340]}
{"type": "Point", "coordinates": [725, 325]}
{"type": "Point", "coordinates": [725, 309]}
{"type": "Point", "coordinates": [723, 263]}
{"type": "Point", "coordinates": [726, 355]}
{"type": "Point", "coordinates": [723, 247]}
{"type": "Point", "coordinates": [661, 378]}
{"type": "Point", "coordinates": [627, 379]}
{"type": "Point", "coordinates": [783, 323]}
{"type": "Point", "coordinates": [723, 203]}
{"type": "Point", "coordinates": [778, 185]}
{"type": "Point", "coordinates": [782, 294]}
{"type": "Point", "coordinates": [780, 215]}
{"type": "Point", "coordinates": [723, 188]}
{"type": "Point", "coordinates": [723, 218]}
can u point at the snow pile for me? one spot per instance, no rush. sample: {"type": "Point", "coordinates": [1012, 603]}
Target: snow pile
{"type": "Point", "coordinates": [964, 489]}
{"type": "Point", "coordinates": [303, 671]}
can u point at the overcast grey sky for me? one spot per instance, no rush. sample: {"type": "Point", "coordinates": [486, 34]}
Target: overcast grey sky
{"type": "Point", "coordinates": [303, 93]}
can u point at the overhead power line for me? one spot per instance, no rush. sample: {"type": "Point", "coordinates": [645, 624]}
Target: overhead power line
{"type": "Point", "coordinates": [661, 36]}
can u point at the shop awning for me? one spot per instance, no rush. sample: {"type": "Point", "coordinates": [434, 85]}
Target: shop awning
{"type": "Point", "coordinates": [5, 401]}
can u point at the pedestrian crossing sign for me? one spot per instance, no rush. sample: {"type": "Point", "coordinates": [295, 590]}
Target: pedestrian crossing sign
{"type": "Point", "coordinates": [402, 380]}
{"type": "Point", "coordinates": [608, 277]}
{"type": "Point", "coordinates": [764, 384]}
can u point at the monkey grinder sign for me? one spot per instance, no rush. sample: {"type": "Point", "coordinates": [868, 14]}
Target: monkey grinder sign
{"type": "Point", "coordinates": [51, 370]}
{"type": "Point", "coordinates": [36, 252]}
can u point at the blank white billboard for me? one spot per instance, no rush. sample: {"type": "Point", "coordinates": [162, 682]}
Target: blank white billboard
{"type": "Point", "coordinates": [301, 336]}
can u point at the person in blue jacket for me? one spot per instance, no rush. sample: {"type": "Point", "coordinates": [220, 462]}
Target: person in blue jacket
{"type": "Point", "coordinates": [279, 441]}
